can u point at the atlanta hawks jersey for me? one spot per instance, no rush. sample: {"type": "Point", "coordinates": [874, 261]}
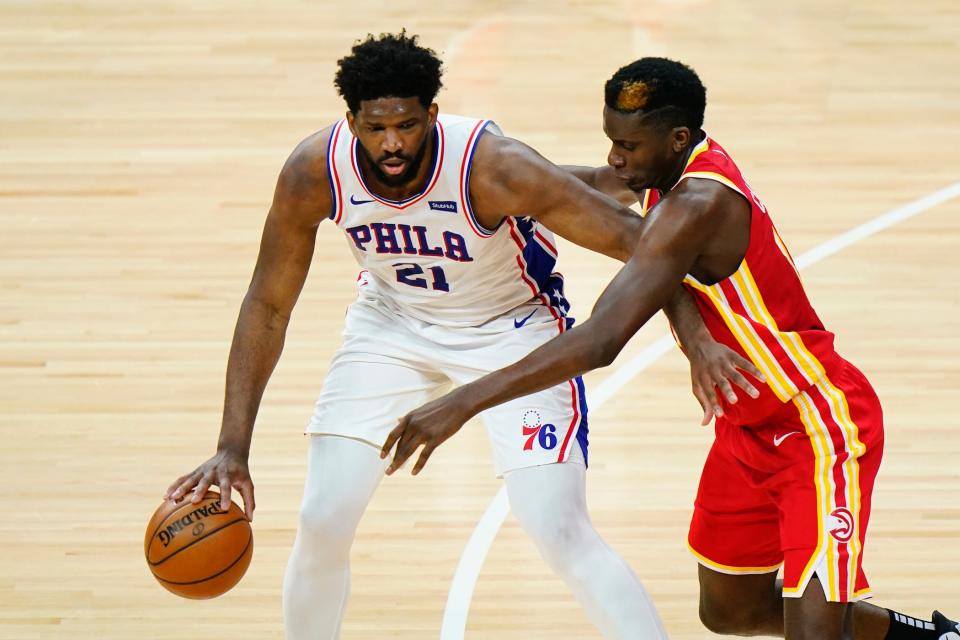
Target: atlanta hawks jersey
{"type": "Point", "coordinates": [427, 256]}
{"type": "Point", "coordinates": [762, 310]}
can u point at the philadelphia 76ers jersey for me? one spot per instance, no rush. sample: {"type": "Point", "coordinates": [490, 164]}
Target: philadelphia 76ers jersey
{"type": "Point", "coordinates": [427, 256]}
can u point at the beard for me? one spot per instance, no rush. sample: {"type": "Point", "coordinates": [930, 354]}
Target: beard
{"type": "Point", "coordinates": [413, 165]}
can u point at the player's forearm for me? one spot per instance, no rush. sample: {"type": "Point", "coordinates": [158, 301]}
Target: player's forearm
{"type": "Point", "coordinates": [686, 320]}
{"type": "Point", "coordinates": [257, 344]}
{"type": "Point", "coordinates": [571, 354]}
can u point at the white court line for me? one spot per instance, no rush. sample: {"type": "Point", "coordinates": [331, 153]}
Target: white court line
{"type": "Point", "coordinates": [468, 570]}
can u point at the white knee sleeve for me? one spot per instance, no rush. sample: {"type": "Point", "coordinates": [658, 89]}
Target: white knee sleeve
{"type": "Point", "coordinates": [342, 475]}
{"type": "Point", "coordinates": [550, 503]}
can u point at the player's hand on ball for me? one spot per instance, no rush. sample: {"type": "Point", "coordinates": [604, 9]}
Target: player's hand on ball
{"type": "Point", "coordinates": [713, 367]}
{"type": "Point", "coordinates": [225, 470]}
{"type": "Point", "coordinates": [429, 426]}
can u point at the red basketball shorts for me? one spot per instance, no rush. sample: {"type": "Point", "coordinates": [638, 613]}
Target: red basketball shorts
{"type": "Point", "coordinates": [795, 490]}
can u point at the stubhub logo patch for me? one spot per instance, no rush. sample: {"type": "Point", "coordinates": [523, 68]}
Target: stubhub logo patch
{"type": "Point", "coordinates": [443, 205]}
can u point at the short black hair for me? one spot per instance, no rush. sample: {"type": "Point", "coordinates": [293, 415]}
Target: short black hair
{"type": "Point", "coordinates": [670, 88]}
{"type": "Point", "coordinates": [388, 66]}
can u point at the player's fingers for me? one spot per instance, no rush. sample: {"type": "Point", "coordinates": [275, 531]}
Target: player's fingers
{"type": "Point", "coordinates": [226, 491]}
{"type": "Point", "coordinates": [743, 383]}
{"type": "Point", "coordinates": [724, 385]}
{"type": "Point", "coordinates": [717, 405]}
{"type": "Point", "coordinates": [392, 438]}
{"type": "Point", "coordinates": [742, 363]}
{"type": "Point", "coordinates": [422, 460]}
{"type": "Point", "coordinates": [405, 448]}
{"type": "Point", "coordinates": [173, 487]}
{"type": "Point", "coordinates": [698, 394]}
{"type": "Point", "coordinates": [188, 483]}
{"type": "Point", "coordinates": [249, 504]}
{"type": "Point", "coordinates": [705, 404]}
{"type": "Point", "coordinates": [201, 489]}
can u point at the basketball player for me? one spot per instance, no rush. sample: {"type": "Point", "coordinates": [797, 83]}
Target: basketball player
{"type": "Point", "coordinates": [790, 475]}
{"type": "Point", "coordinates": [443, 214]}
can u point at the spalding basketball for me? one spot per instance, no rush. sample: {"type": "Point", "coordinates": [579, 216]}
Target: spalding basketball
{"type": "Point", "coordinates": [198, 550]}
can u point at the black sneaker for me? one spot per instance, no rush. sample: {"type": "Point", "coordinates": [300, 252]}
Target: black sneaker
{"type": "Point", "coordinates": [947, 628]}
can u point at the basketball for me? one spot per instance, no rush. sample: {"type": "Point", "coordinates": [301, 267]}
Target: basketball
{"type": "Point", "coordinates": [198, 550]}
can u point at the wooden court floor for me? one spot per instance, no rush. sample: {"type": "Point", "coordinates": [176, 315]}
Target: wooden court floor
{"type": "Point", "coordinates": [139, 143]}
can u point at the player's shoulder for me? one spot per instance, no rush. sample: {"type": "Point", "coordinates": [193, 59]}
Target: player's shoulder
{"type": "Point", "coordinates": [505, 166]}
{"type": "Point", "coordinates": [452, 123]}
{"type": "Point", "coordinates": [503, 154]}
{"type": "Point", "coordinates": [709, 156]}
{"type": "Point", "coordinates": [708, 181]}
{"type": "Point", "coordinates": [700, 199]}
{"type": "Point", "coordinates": [305, 170]}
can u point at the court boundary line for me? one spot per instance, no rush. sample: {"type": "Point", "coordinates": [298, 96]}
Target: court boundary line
{"type": "Point", "coordinates": [464, 581]}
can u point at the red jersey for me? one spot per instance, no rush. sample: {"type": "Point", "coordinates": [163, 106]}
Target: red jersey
{"type": "Point", "coordinates": [762, 310]}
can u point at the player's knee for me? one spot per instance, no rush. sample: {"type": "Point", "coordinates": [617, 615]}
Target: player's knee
{"type": "Point", "coordinates": [559, 541]}
{"type": "Point", "coordinates": [723, 618]}
{"type": "Point", "coordinates": [327, 523]}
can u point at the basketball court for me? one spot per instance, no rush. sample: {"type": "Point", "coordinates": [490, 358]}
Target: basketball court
{"type": "Point", "coordinates": [139, 146]}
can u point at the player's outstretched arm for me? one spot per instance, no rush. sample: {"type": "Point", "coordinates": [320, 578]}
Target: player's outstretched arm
{"type": "Point", "coordinates": [301, 201]}
{"type": "Point", "coordinates": [714, 367]}
{"type": "Point", "coordinates": [672, 240]}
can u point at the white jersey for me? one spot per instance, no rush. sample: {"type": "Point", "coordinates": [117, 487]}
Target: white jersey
{"type": "Point", "coordinates": [427, 256]}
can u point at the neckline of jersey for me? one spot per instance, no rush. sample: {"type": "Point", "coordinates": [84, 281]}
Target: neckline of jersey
{"type": "Point", "coordinates": [436, 161]}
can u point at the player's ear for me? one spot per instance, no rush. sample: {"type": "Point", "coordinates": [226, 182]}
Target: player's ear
{"type": "Point", "coordinates": [351, 119]}
{"type": "Point", "coordinates": [679, 138]}
{"type": "Point", "coordinates": [432, 112]}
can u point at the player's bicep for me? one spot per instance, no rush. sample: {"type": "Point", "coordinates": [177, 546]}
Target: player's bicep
{"type": "Point", "coordinates": [301, 201]}
{"type": "Point", "coordinates": [286, 250]}
{"type": "Point", "coordinates": [520, 182]}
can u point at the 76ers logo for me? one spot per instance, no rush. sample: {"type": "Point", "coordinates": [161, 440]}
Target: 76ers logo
{"type": "Point", "coordinates": [843, 524]}
{"type": "Point", "coordinates": [534, 429]}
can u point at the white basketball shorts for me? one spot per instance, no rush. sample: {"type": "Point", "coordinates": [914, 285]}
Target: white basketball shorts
{"type": "Point", "coordinates": [390, 364]}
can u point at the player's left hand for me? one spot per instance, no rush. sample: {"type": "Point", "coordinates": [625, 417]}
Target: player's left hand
{"type": "Point", "coordinates": [715, 369]}
{"type": "Point", "coordinates": [430, 426]}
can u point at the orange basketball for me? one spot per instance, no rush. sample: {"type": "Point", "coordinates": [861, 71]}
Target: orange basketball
{"type": "Point", "coordinates": [198, 550]}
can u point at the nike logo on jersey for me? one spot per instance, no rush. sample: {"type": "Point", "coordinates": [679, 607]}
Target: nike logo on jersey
{"type": "Point", "coordinates": [778, 440]}
{"type": "Point", "coordinates": [353, 200]}
{"type": "Point", "coordinates": [519, 323]}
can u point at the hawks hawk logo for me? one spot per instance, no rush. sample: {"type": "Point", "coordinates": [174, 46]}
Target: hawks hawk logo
{"type": "Point", "coordinates": [843, 524]}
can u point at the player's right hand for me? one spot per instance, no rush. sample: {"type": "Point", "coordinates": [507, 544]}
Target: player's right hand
{"type": "Point", "coordinates": [226, 470]}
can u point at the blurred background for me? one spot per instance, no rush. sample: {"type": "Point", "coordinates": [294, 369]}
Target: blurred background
{"type": "Point", "coordinates": [139, 146]}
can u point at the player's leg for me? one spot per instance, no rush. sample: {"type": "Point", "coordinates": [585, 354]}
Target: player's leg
{"type": "Point", "coordinates": [753, 605]}
{"type": "Point", "coordinates": [824, 492]}
{"type": "Point", "coordinates": [734, 534]}
{"type": "Point", "coordinates": [533, 438]}
{"type": "Point", "coordinates": [813, 617]}
{"type": "Point", "coordinates": [342, 475]}
{"type": "Point", "coordinates": [843, 412]}
{"type": "Point", "coordinates": [743, 605]}
{"type": "Point", "coordinates": [549, 501]}
{"type": "Point", "coordinates": [375, 379]}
